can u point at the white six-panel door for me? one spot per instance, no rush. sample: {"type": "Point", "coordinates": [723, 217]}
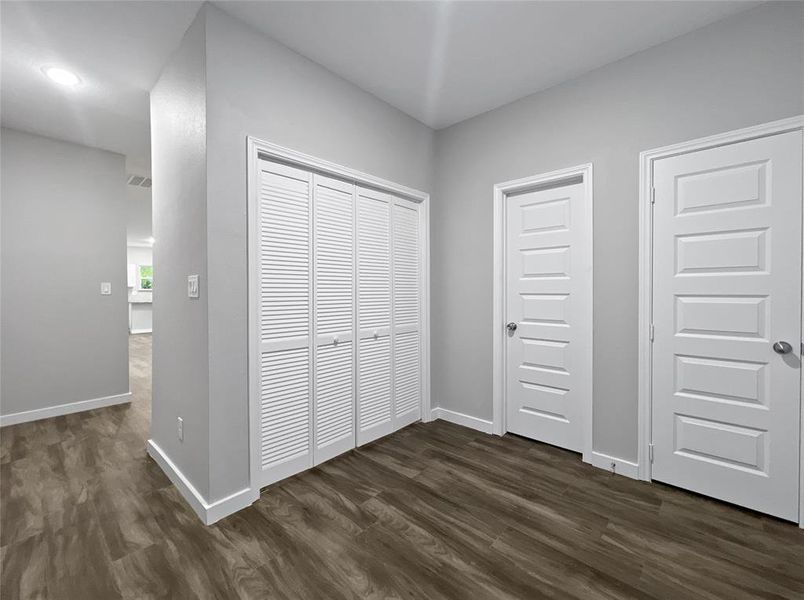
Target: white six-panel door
{"type": "Point", "coordinates": [338, 290]}
{"type": "Point", "coordinates": [548, 292]}
{"type": "Point", "coordinates": [727, 286]}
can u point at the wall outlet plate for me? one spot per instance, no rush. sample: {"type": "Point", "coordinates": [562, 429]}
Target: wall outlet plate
{"type": "Point", "coordinates": [106, 288]}
{"type": "Point", "coordinates": [180, 428]}
{"type": "Point", "coordinates": [193, 286]}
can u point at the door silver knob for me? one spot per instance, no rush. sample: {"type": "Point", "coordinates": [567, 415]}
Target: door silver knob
{"type": "Point", "coordinates": [511, 326]}
{"type": "Point", "coordinates": [782, 348]}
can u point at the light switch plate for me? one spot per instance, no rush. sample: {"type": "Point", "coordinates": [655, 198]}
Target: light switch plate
{"type": "Point", "coordinates": [192, 286]}
{"type": "Point", "coordinates": [106, 288]}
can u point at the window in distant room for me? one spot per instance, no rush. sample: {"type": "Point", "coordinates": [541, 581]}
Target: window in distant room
{"type": "Point", "coordinates": [146, 277]}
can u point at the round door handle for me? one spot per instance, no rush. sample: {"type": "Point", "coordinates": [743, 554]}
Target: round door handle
{"type": "Point", "coordinates": [511, 326]}
{"type": "Point", "coordinates": [782, 348]}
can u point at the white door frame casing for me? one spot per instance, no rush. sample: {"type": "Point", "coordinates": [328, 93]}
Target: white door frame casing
{"type": "Point", "coordinates": [501, 192]}
{"type": "Point", "coordinates": [258, 149]}
{"type": "Point", "coordinates": [645, 371]}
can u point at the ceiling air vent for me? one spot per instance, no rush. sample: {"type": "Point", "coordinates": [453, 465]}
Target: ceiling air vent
{"type": "Point", "coordinates": [139, 181]}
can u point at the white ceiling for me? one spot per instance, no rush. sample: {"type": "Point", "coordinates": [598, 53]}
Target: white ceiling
{"type": "Point", "coordinates": [440, 62]}
{"type": "Point", "coordinates": [117, 48]}
{"type": "Point", "coordinates": [443, 62]}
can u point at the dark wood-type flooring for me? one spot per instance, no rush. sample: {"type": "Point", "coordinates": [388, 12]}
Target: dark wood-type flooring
{"type": "Point", "coordinates": [433, 511]}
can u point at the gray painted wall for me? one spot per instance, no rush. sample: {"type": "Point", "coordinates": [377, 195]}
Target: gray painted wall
{"type": "Point", "coordinates": [180, 338]}
{"type": "Point", "coordinates": [257, 87]}
{"type": "Point", "coordinates": [139, 255]}
{"type": "Point", "coordinates": [63, 233]}
{"type": "Point", "coordinates": [139, 214]}
{"type": "Point", "coordinates": [227, 82]}
{"type": "Point", "coordinates": [743, 71]}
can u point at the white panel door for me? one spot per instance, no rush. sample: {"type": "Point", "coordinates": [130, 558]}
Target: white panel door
{"type": "Point", "coordinates": [334, 313]}
{"type": "Point", "coordinates": [284, 301]}
{"type": "Point", "coordinates": [548, 295]}
{"type": "Point", "coordinates": [727, 286]}
{"type": "Point", "coordinates": [374, 395]}
{"type": "Point", "coordinates": [406, 339]}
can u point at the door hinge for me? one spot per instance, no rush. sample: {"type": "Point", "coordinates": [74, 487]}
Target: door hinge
{"type": "Point", "coordinates": [650, 453]}
{"type": "Point", "coordinates": [652, 332]}
{"type": "Point", "coordinates": [652, 195]}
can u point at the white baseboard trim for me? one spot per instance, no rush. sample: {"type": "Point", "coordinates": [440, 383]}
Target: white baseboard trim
{"type": "Point", "coordinates": [597, 459]}
{"type": "Point", "coordinates": [208, 512]}
{"type": "Point", "coordinates": [63, 409]}
{"type": "Point", "coordinates": [621, 467]}
{"type": "Point", "coordinates": [461, 419]}
{"type": "Point", "coordinates": [138, 331]}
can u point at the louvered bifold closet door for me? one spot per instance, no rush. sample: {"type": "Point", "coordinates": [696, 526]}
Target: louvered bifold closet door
{"type": "Point", "coordinates": [374, 390]}
{"type": "Point", "coordinates": [284, 301]}
{"type": "Point", "coordinates": [334, 317]}
{"type": "Point", "coordinates": [406, 338]}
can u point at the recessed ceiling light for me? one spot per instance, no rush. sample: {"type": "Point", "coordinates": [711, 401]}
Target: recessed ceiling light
{"type": "Point", "coordinates": [61, 76]}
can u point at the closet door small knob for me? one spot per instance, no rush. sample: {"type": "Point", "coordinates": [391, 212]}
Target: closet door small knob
{"type": "Point", "coordinates": [511, 327]}
{"type": "Point", "coordinates": [375, 334]}
{"type": "Point", "coordinates": [335, 339]}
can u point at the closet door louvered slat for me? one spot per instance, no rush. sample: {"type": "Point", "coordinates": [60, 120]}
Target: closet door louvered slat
{"type": "Point", "coordinates": [335, 314]}
{"type": "Point", "coordinates": [284, 282]}
{"type": "Point", "coordinates": [406, 312]}
{"type": "Point", "coordinates": [333, 210]}
{"type": "Point", "coordinates": [374, 406]}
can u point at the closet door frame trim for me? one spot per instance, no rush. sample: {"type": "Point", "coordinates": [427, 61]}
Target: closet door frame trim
{"type": "Point", "coordinates": [645, 371]}
{"type": "Point", "coordinates": [257, 150]}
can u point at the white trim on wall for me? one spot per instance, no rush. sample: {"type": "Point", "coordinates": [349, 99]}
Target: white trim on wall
{"type": "Point", "coordinates": [257, 149]}
{"type": "Point", "coordinates": [461, 419]}
{"type": "Point", "coordinates": [208, 512]}
{"type": "Point", "coordinates": [645, 373]}
{"type": "Point", "coordinates": [424, 216]}
{"type": "Point", "coordinates": [501, 190]}
{"type": "Point", "coordinates": [618, 466]}
{"type": "Point", "coordinates": [299, 159]}
{"type": "Point", "coordinates": [63, 409]}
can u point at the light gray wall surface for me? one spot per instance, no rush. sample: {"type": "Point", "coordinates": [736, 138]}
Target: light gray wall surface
{"type": "Point", "coordinates": [139, 214]}
{"type": "Point", "coordinates": [742, 71]}
{"type": "Point", "coordinates": [180, 338]}
{"type": "Point", "coordinates": [139, 255]}
{"type": "Point", "coordinates": [257, 87]}
{"type": "Point", "coordinates": [63, 232]}
{"type": "Point", "coordinates": [228, 82]}
{"type": "Point", "coordinates": [225, 83]}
